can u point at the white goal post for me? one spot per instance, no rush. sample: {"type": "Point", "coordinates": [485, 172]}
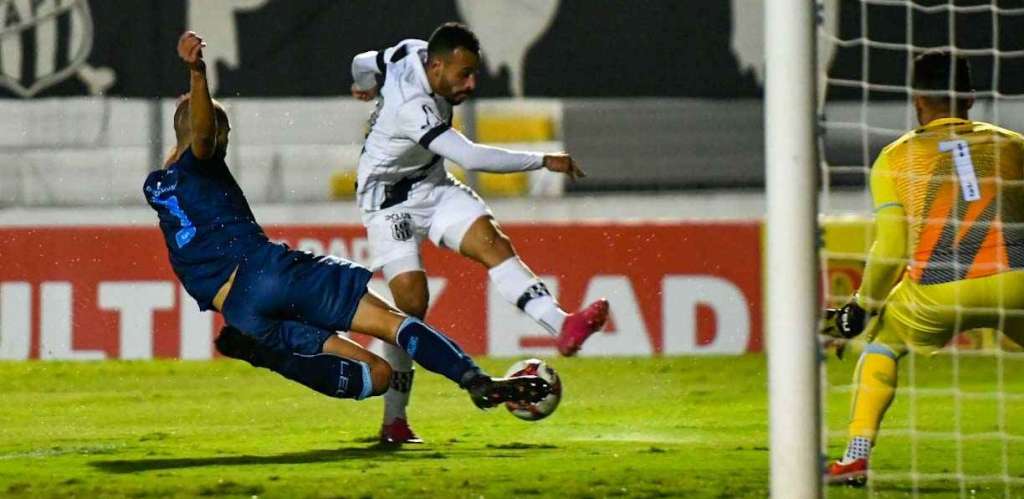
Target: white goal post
{"type": "Point", "coordinates": [791, 291]}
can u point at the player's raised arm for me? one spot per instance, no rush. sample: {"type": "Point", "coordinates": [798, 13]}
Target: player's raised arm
{"type": "Point", "coordinates": [365, 68]}
{"type": "Point", "coordinates": [421, 123]}
{"type": "Point", "coordinates": [202, 116]}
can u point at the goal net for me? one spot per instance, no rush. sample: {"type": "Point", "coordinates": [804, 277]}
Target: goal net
{"type": "Point", "coordinates": [956, 424]}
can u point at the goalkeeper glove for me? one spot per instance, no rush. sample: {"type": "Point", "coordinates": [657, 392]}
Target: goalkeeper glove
{"type": "Point", "coordinates": [846, 322]}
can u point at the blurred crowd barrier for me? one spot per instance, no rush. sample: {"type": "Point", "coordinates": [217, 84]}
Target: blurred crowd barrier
{"type": "Point", "coordinates": [96, 152]}
{"type": "Point", "coordinates": [96, 291]}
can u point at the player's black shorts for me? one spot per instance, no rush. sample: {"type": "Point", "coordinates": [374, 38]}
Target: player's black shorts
{"type": "Point", "coordinates": [292, 300]}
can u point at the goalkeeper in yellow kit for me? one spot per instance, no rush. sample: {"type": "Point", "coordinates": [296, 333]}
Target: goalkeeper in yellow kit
{"type": "Point", "coordinates": [948, 254]}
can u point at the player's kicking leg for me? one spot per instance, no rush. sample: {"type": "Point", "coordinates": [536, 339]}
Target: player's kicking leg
{"type": "Point", "coordinates": [438, 353]}
{"type": "Point", "coordinates": [294, 303]}
{"type": "Point", "coordinates": [483, 242]}
{"type": "Point", "coordinates": [486, 243]}
{"type": "Point", "coordinates": [341, 368]}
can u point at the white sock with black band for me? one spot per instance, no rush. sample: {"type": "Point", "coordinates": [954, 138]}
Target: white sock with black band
{"type": "Point", "coordinates": [397, 397]}
{"type": "Point", "coordinates": [520, 287]}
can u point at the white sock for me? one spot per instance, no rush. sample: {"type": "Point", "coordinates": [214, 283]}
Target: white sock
{"type": "Point", "coordinates": [859, 447]}
{"type": "Point", "coordinates": [522, 288]}
{"type": "Point", "coordinates": [397, 397]}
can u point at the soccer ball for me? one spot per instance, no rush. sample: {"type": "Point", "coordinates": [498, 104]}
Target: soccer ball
{"type": "Point", "coordinates": [547, 405]}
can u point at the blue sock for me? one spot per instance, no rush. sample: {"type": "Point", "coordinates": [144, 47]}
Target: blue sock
{"type": "Point", "coordinates": [435, 351]}
{"type": "Point", "coordinates": [326, 373]}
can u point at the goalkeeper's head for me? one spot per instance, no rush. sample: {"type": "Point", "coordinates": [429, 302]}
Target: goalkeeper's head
{"type": "Point", "coordinates": [942, 86]}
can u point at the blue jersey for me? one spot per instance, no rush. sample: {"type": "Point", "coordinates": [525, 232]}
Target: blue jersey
{"type": "Point", "coordinates": [206, 221]}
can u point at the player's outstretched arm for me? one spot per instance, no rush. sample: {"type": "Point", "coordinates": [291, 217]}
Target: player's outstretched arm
{"type": "Point", "coordinates": [563, 163]}
{"type": "Point", "coordinates": [203, 118]}
{"type": "Point", "coordinates": [365, 68]}
{"type": "Point", "coordinates": [472, 156]}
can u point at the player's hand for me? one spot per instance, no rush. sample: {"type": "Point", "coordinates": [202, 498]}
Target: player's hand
{"type": "Point", "coordinates": [835, 345]}
{"type": "Point", "coordinates": [846, 322]}
{"type": "Point", "coordinates": [190, 50]}
{"type": "Point", "coordinates": [563, 163]}
{"type": "Point", "coordinates": [364, 95]}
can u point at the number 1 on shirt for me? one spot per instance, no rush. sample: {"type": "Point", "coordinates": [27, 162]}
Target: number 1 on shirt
{"type": "Point", "coordinates": [964, 168]}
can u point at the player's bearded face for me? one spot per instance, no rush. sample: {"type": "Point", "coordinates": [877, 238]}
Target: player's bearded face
{"type": "Point", "coordinates": [456, 75]}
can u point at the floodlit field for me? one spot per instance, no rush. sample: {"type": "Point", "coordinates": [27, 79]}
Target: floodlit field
{"type": "Point", "coordinates": [629, 428]}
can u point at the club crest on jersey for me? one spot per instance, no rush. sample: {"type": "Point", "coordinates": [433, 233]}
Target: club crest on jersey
{"type": "Point", "coordinates": [401, 226]}
{"type": "Point", "coordinates": [62, 38]}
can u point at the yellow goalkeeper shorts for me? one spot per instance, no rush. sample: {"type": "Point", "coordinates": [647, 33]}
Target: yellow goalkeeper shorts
{"type": "Point", "coordinates": [925, 317]}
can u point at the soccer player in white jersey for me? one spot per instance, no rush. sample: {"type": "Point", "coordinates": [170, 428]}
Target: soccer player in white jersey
{"type": "Point", "coordinates": [406, 194]}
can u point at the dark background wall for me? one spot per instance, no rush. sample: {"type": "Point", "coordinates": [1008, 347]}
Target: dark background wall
{"type": "Point", "coordinates": [592, 48]}
{"type": "Point", "coordinates": [304, 47]}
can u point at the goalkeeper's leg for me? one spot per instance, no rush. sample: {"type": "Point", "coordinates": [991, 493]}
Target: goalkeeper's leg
{"type": "Point", "coordinates": [874, 389]}
{"type": "Point", "coordinates": [911, 320]}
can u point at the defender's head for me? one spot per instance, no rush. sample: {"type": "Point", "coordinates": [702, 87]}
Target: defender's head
{"type": "Point", "coordinates": [453, 60]}
{"type": "Point", "coordinates": [942, 86]}
{"type": "Point", "coordinates": [183, 125]}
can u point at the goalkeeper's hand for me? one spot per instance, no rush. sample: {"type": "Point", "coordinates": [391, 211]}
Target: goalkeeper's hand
{"type": "Point", "coordinates": [846, 322]}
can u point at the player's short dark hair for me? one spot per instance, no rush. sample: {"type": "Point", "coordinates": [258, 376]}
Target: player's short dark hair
{"type": "Point", "coordinates": [940, 71]}
{"type": "Point", "coordinates": [450, 36]}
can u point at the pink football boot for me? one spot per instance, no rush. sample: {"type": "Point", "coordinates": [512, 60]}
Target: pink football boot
{"type": "Point", "coordinates": [580, 325]}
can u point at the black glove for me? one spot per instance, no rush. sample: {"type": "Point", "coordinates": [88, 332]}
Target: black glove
{"type": "Point", "coordinates": [846, 322]}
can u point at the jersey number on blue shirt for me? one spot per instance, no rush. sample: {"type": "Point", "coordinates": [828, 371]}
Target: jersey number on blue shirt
{"type": "Point", "coordinates": [187, 231]}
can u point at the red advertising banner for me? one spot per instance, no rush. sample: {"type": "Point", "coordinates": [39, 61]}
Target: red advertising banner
{"type": "Point", "coordinates": [675, 289]}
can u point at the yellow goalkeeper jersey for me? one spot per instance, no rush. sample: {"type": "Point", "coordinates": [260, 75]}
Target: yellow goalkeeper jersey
{"type": "Point", "coordinates": [959, 184]}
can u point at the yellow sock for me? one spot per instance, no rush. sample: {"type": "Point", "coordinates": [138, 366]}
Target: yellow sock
{"type": "Point", "coordinates": [875, 382]}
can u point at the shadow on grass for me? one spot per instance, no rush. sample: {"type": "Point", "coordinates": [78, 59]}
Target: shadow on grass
{"type": "Point", "coordinates": [375, 453]}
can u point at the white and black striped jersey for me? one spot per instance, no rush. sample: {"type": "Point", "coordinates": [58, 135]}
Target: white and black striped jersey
{"type": "Point", "coordinates": [396, 156]}
{"type": "Point", "coordinates": [410, 132]}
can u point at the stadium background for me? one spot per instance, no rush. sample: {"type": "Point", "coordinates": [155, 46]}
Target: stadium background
{"type": "Point", "coordinates": [661, 105]}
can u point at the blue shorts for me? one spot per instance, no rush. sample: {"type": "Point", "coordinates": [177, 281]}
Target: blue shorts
{"type": "Point", "coordinates": [293, 301]}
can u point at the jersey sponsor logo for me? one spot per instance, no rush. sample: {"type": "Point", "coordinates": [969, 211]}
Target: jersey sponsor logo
{"type": "Point", "coordinates": [401, 226]}
{"type": "Point", "coordinates": [160, 189]}
{"type": "Point", "coordinates": [62, 34]}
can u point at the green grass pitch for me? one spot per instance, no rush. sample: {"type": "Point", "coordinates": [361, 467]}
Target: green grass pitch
{"type": "Point", "coordinates": [685, 427]}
